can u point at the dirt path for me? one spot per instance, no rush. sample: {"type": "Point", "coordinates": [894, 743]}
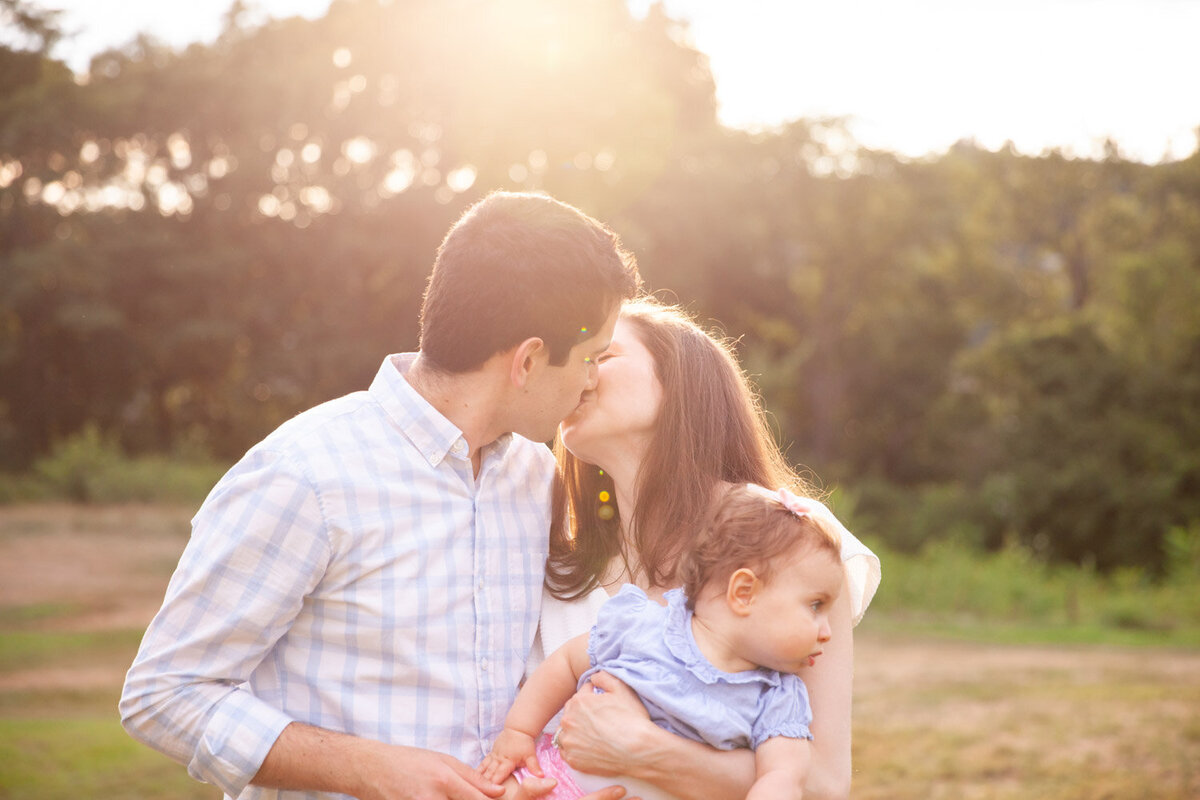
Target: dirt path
{"type": "Point", "coordinates": [81, 569]}
{"type": "Point", "coordinates": [932, 719]}
{"type": "Point", "coordinates": [104, 568]}
{"type": "Point", "coordinates": [955, 720]}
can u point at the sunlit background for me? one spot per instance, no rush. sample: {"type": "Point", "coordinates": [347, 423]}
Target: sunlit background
{"type": "Point", "coordinates": [956, 241]}
{"type": "Point", "coordinates": [956, 244]}
{"type": "Point", "coordinates": [913, 77]}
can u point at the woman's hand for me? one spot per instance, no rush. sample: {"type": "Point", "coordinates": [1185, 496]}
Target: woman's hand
{"type": "Point", "coordinates": [611, 734]}
{"type": "Point", "coordinates": [601, 732]}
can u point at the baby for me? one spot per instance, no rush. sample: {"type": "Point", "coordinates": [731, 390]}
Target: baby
{"type": "Point", "coordinates": [718, 663]}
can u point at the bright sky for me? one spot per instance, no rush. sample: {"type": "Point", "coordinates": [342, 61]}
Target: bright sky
{"type": "Point", "coordinates": [914, 76]}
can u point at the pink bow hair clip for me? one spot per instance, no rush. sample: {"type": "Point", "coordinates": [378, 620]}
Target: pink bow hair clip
{"type": "Point", "coordinates": [800, 506]}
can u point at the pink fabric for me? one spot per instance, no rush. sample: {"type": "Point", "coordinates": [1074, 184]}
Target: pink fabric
{"type": "Point", "coordinates": [800, 506]}
{"type": "Point", "coordinates": [552, 764]}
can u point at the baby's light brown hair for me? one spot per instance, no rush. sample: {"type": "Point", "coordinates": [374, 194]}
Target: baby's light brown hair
{"type": "Point", "coordinates": [750, 527]}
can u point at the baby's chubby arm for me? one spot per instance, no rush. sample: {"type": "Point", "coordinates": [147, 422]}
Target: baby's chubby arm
{"type": "Point", "coordinates": [781, 765]}
{"type": "Point", "coordinates": [546, 691]}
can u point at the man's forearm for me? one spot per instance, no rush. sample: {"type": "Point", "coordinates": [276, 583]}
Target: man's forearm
{"type": "Point", "coordinates": [314, 759]}
{"type": "Point", "coordinates": [220, 733]}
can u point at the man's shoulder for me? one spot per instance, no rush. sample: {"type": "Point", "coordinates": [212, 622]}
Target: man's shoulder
{"type": "Point", "coordinates": [313, 432]}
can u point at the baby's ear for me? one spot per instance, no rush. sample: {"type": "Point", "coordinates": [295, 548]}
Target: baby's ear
{"type": "Point", "coordinates": [743, 585]}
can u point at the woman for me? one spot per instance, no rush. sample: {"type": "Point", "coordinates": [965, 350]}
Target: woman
{"type": "Point", "coordinates": [672, 420]}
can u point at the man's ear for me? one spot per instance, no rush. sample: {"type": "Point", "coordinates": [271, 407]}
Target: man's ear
{"type": "Point", "coordinates": [742, 589]}
{"type": "Point", "coordinates": [525, 358]}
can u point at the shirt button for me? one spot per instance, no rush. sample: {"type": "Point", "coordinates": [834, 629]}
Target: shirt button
{"type": "Point", "coordinates": [458, 446]}
{"type": "Point", "coordinates": [483, 664]}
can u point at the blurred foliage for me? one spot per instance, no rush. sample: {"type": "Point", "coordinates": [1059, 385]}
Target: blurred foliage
{"type": "Point", "coordinates": [91, 467]}
{"type": "Point", "coordinates": [981, 348]}
{"type": "Point", "coordinates": [951, 588]}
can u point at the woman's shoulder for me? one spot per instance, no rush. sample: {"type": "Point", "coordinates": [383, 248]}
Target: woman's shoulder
{"type": "Point", "coordinates": [863, 571]}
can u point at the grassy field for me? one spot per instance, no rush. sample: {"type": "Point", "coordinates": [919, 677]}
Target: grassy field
{"type": "Point", "coordinates": [78, 584]}
{"type": "Point", "coordinates": [942, 709]}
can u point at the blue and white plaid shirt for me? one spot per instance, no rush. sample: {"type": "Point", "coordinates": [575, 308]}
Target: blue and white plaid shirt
{"type": "Point", "coordinates": [349, 572]}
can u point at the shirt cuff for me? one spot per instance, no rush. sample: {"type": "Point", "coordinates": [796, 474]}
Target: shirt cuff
{"type": "Point", "coordinates": [236, 740]}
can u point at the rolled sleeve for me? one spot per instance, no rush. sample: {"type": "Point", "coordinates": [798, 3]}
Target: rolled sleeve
{"type": "Point", "coordinates": [239, 734]}
{"type": "Point", "coordinates": [258, 548]}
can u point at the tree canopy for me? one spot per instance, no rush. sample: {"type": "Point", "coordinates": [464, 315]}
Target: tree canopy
{"type": "Point", "coordinates": [195, 245]}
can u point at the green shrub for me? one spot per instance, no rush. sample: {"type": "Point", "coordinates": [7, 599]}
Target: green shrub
{"type": "Point", "coordinates": [76, 465]}
{"type": "Point", "coordinates": [23, 488]}
{"type": "Point", "coordinates": [1182, 545]}
{"type": "Point", "coordinates": [90, 467]}
{"type": "Point", "coordinates": [951, 585]}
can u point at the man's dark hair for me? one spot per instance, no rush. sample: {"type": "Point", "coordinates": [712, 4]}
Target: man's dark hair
{"type": "Point", "coordinates": [516, 266]}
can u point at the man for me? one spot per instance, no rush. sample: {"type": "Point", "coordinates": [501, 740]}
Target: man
{"type": "Point", "coordinates": [355, 606]}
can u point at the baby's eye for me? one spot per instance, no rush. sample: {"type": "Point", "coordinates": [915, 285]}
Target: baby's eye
{"type": "Point", "coordinates": [603, 357]}
{"type": "Point", "coordinates": [817, 605]}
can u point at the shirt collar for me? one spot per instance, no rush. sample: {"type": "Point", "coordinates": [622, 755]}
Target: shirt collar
{"type": "Point", "coordinates": [682, 643]}
{"type": "Point", "coordinates": [435, 437]}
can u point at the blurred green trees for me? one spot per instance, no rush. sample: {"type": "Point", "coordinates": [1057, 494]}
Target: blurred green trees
{"type": "Point", "coordinates": [982, 346]}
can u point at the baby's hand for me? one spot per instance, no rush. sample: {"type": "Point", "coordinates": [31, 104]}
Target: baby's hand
{"type": "Point", "coordinates": [510, 750]}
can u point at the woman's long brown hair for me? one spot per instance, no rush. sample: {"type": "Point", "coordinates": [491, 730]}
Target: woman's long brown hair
{"type": "Point", "coordinates": [711, 430]}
